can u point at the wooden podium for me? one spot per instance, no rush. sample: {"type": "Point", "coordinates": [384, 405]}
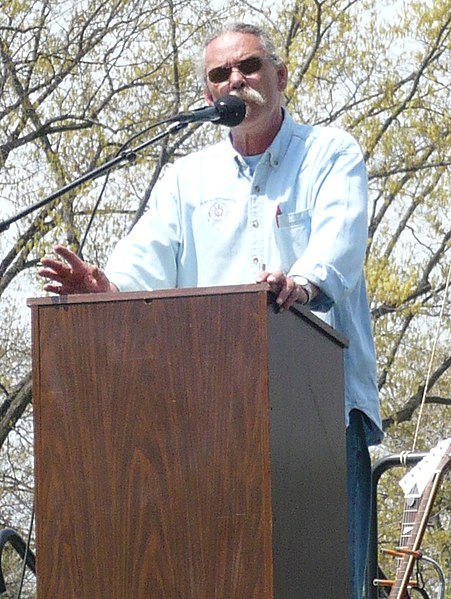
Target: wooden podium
{"type": "Point", "coordinates": [189, 444]}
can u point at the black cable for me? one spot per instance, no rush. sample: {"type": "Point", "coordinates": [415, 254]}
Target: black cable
{"type": "Point", "coordinates": [96, 205]}
{"type": "Point", "coordinates": [27, 549]}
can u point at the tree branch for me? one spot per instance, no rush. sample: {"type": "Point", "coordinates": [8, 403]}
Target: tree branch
{"type": "Point", "coordinates": [13, 408]}
{"type": "Point", "coordinates": [406, 412]}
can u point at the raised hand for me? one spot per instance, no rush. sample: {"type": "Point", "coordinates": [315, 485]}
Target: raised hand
{"type": "Point", "coordinates": [73, 275]}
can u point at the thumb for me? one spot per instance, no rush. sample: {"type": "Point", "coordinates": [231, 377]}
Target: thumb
{"type": "Point", "coordinates": [262, 276]}
{"type": "Point", "coordinates": [102, 280]}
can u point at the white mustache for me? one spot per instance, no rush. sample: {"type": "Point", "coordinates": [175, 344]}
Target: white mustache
{"type": "Point", "coordinates": [249, 95]}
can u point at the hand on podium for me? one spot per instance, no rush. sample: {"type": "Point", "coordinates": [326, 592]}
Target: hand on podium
{"type": "Point", "coordinates": [73, 275]}
{"type": "Point", "coordinates": [286, 289]}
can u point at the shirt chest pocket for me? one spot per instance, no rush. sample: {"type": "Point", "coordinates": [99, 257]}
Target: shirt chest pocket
{"type": "Point", "coordinates": [294, 219]}
{"type": "Point", "coordinates": [292, 232]}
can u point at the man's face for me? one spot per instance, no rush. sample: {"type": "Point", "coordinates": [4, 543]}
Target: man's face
{"type": "Point", "coordinates": [237, 64]}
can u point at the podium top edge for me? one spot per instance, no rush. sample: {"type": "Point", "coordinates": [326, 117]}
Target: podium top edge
{"type": "Point", "coordinates": [124, 296]}
{"type": "Point", "coordinates": [316, 322]}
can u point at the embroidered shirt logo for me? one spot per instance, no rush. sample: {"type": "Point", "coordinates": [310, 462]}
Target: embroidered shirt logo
{"type": "Point", "coordinates": [218, 211]}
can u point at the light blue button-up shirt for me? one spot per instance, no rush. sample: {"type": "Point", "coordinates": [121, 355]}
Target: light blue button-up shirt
{"type": "Point", "coordinates": [303, 211]}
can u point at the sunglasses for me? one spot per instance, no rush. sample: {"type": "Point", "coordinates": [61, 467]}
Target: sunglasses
{"type": "Point", "coordinates": [245, 67]}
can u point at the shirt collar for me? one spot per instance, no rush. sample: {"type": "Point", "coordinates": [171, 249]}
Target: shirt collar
{"type": "Point", "coordinates": [276, 150]}
{"type": "Point", "coordinates": [280, 143]}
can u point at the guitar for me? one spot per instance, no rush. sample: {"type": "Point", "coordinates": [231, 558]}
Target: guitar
{"type": "Point", "coordinates": [420, 486]}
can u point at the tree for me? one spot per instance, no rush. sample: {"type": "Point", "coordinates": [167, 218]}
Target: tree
{"type": "Point", "coordinates": [76, 85]}
{"type": "Point", "coordinates": [80, 79]}
{"type": "Point", "coordinates": [77, 80]}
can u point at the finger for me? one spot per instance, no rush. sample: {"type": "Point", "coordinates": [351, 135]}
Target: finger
{"type": "Point", "coordinates": [103, 282]}
{"type": "Point", "coordinates": [262, 276]}
{"type": "Point", "coordinates": [287, 295]}
{"type": "Point", "coordinates": [71, 258]}
{"type": "Point", "coordinates": [51, 288]}
{"type": "Point", "coordinates": [284, 296]}
{"type": "Point", "coordinates": [277, 278]}
{"type": "Point", "coordinates": [56, 271]}
{"type": "Point", "coordinates": [53, 267]}
{"type": "Point", "coordinates": [97, 273]}
{"type": "Point", "coordinates": [291, 299]}
{"type": "Point", "coordinates": [286, 287]}
{"type": "Point", "coordinates": [277, 281]}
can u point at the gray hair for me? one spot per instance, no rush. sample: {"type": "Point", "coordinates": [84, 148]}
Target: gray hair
{"type": "Point", "coordinates": [239, 27]}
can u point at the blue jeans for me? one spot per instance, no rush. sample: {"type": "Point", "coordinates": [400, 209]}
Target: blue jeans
{"type": "Point", "coordinates": [359, 503]}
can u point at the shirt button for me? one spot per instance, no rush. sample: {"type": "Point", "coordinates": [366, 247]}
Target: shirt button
{"type": "Point", "coordinates": [255, 224]}
{"type": "Point", "coordinates": [257, 188]}
{"type": "Point", "coordinates": [255, 260]}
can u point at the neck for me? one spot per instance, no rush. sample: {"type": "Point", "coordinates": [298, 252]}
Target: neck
{"type": "Point", "coordinates": [250, 138]}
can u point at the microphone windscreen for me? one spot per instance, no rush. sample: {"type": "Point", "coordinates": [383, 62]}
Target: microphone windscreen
{"type": "Point", "coordinates": [231, 110]}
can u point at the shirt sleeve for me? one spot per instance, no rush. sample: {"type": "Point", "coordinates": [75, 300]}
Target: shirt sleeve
{"type": "Point", "coordinates": [334, 256]}
{"type": "Point", "coordinates": [146, 259]}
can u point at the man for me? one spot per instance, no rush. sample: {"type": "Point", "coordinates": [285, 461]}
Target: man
{"type": "Point", "coordinates": [275, 202]}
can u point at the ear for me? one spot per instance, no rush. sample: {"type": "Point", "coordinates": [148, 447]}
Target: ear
{"type": "Point", "coordinates": [208, 97]}
{"type": "Point", "coordinates": [282, 77]}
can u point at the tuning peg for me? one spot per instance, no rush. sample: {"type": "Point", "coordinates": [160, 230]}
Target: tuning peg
{"type": "Point", "coordinates": [407, 551]}
{"type": "Point", "coordinates": [380, 582]}
{"type": "Point", "coordinates": [393, 552]}
{"type": "Point", "coordinates": [402, 551]}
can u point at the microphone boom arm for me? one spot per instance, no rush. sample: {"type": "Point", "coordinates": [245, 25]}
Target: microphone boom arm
{"type": "Point", "coordinates": [126, 155]}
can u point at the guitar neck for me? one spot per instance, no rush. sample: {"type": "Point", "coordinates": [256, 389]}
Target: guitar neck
{"type": "Point", "coordinates": [416, 516]}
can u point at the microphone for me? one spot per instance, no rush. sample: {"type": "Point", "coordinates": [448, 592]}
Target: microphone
{"type": "Point", "coordinates": [227, 110]}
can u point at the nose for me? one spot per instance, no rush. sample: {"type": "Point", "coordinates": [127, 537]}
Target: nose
{"type": "Point", "coordinates": [236, 78]}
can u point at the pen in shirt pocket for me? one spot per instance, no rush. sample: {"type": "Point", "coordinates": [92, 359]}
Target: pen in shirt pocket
{"type": "Point", "coordinates": [278, 213]}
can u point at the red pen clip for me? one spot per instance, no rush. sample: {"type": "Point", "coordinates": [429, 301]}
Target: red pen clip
{"type": "Point", "coordinates": [278, 213]}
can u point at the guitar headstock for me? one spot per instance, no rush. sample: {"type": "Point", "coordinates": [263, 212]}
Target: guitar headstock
{"type": "Point", "coordinates": [437, 461]}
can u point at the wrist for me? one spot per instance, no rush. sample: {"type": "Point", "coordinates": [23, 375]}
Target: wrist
{"type": "Point", "coordinates": [303, 296]}
{"type": "Point", "coordinates": [307, 291]}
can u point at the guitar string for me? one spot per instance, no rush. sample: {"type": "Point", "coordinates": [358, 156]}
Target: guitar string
{"type": "Point", "coordinates": [408, 516]}
{"type": "Point", "coordinates": [423, 510]}
{"type": "Point", "coordinates": [434, 349]}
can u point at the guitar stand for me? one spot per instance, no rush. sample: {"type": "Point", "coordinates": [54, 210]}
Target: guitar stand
{"type": "Point", "coordinates": [376, 584]}
{"type": "Point", "coordinates": [398, 552]}
{"type": "Point", "coordinates": [414, 584]}
{"type": "Point", "coordinates": [373, 581]}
